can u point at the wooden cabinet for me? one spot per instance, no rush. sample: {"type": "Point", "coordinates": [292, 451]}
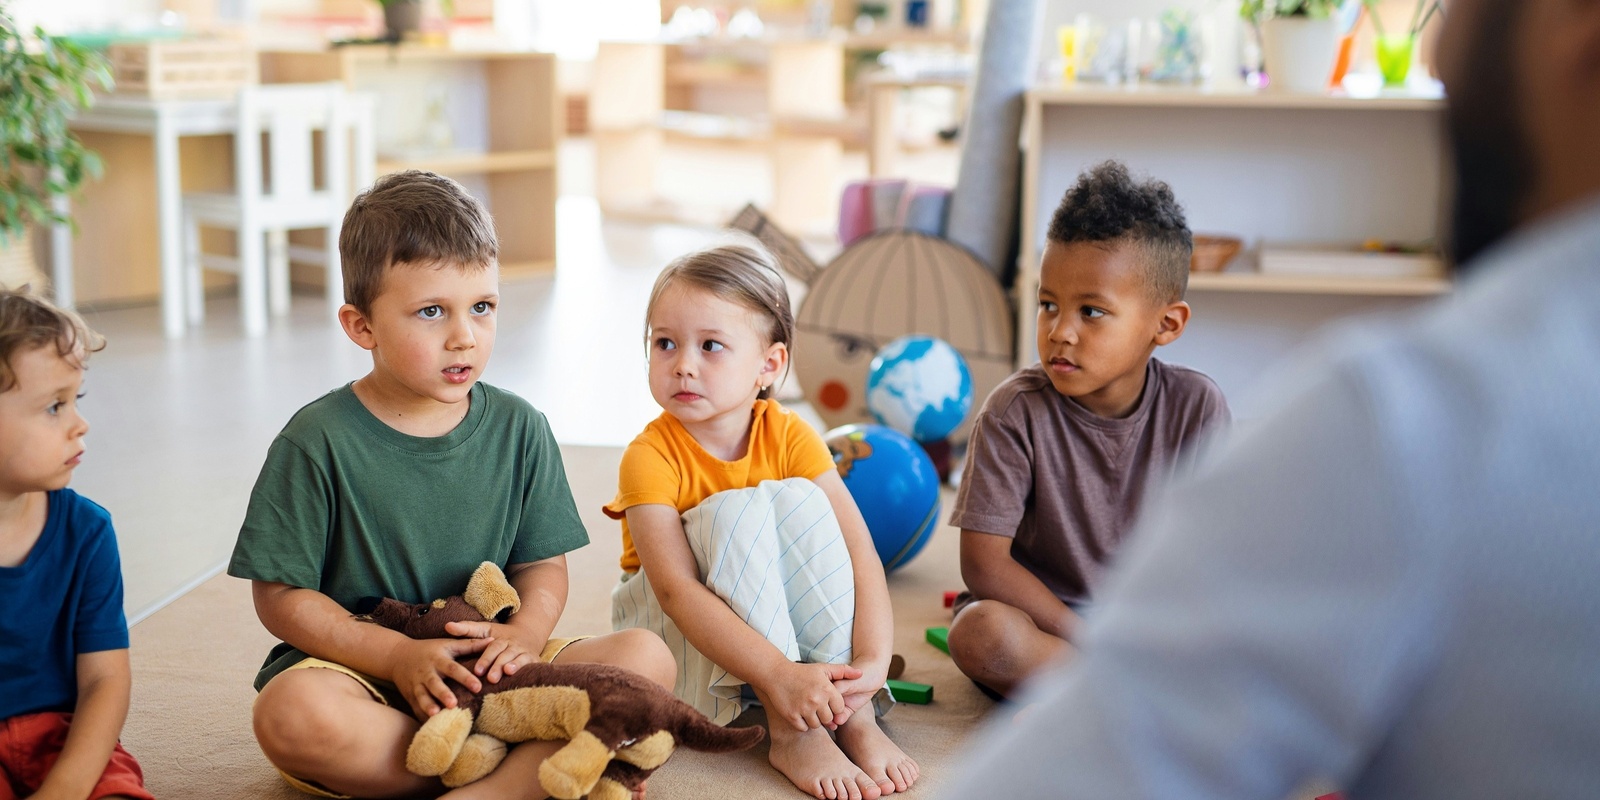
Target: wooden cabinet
{"type": "Point", "coordinates": [502, 121]}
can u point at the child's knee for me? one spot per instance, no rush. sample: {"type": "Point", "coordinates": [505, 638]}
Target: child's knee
{"type": "Point", "coordinates": [984, 631]}
{"type": "Point", "coordinates": [299, 719]}
{"type": "Point", "coordinates": [650, 656]}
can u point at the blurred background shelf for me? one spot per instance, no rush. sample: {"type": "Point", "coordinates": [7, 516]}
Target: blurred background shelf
{"type": "Point", "coordinates": [496, 113]}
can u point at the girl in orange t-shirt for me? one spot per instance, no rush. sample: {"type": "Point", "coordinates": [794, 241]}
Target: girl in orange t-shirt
{"type": "Point", "coordinates": [718, 328]}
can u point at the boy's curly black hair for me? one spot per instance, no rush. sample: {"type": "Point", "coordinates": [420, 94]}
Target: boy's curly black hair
{"type": "Point", "coordinates": [1108, 205]}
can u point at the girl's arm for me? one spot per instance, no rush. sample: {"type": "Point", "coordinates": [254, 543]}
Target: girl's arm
{"type": "Point", "coordinates": [314, 623]}
{"type": "Point", "coordinates": [873, 640]}
{"type": "Point", "coordinates": [104, 682]}
{"type": "Point", "coordinates": [803, 693]}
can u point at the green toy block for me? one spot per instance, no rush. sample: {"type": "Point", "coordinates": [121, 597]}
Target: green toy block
{"type": "Point", "coordinates": [919, 694]}
{"type": "Point", "coordinates": [940, 638]}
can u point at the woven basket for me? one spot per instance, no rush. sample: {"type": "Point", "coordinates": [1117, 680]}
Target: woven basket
{"type": "Point", "coordinates": [17, 265]}
{"type": "Point", "coordinates": [1212, 253]}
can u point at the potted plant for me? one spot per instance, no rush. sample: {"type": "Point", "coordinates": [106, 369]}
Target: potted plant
{"type": "Point", "coordinates": [401, 17]}
{"type": "Point", "coordinates": [42, 81]}
{"type": "Point", "coordinates": [1299, 41]}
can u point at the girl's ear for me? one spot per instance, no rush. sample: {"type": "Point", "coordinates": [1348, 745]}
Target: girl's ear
{"type": "Point", "coordinates": [772, 367]}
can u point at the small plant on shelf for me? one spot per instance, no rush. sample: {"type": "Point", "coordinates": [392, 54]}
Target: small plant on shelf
{"type": "Point", "coordinates": [1255, 11]}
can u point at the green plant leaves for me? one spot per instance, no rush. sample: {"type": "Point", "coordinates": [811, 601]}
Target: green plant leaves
{"type": "Point", "coordinates": [43, 80]}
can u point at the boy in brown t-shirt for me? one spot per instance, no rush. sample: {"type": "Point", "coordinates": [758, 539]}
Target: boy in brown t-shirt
{"type": "Point", "coordinates": [1063, 451]}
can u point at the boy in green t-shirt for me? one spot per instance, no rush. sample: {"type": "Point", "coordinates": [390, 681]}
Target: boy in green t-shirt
{"type": "Point", "coordinates": [398, 485]}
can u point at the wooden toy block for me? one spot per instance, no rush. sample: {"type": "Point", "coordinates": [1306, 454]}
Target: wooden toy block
{"type": "Point", "coordinates": [919, 694]}
{"type": "Point", "coordinates": [940, 638]}
{"type": "Point", "coordinates": [950, 599]}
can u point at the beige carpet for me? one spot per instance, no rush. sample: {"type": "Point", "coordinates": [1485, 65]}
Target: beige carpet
{"type": "Point", "coordinates": [193, 662]}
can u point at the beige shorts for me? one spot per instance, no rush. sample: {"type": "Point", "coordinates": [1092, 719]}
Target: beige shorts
{"type": "Point", "coordinates": [385, 692]}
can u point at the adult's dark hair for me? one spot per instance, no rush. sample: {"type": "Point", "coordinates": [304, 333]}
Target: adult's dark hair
{"type": "Point", "coordinates": [1108, 205]}
{"type": "Point", "coordinates": [415, 218]}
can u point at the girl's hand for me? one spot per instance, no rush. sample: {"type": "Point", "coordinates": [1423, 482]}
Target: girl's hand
{"type": "Point", "coordinates": [858, 692]}
{"type": "Point", "coordinates": [508, 650]}
{"type": "Point", "coordinates": [804, 695]}
{"type": "Point", "coordinates": [422, 665]}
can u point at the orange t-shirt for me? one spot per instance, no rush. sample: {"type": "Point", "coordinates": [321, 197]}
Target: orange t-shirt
{"type": "Point", "coordinates": [665, 465]}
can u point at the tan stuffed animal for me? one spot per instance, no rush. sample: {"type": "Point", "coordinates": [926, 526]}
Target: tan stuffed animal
{"type": "Point", "coordinates": [620, 725]}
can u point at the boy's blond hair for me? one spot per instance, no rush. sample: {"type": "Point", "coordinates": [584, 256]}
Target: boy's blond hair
{"type": "Point", "coordinates": [412, 217]}
{"type": "Point", "coordinates": [743, 273]}
{"type": "Point", "coordinates": [28, 321]}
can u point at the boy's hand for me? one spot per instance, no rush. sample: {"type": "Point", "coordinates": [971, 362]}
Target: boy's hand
{"type": "Point", "coordinates": [421, 666]}
{"type": "Point", "coordinates": [510, 648]}
{"type": "Point", "coordinates": [858, 692]}
{"type": "Point", "coordinates": [804, 695]}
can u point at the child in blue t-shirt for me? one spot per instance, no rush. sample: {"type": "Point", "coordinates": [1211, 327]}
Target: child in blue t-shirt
{"type": "Point", "coordinates": [64, 676]}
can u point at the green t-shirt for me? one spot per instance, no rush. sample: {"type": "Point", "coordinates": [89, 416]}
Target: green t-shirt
{"type": "Point", "coordinates": [353, 508]}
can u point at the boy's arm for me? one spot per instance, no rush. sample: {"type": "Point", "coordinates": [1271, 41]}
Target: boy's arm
{"type": "Point", "coordinates": [520, 640]}
{"type": "Point", "coordinates": [104, 681]}
{"type": "Point", "coordinates": [314, 623]}
{"type": "Point", "coordinates": [803, 693]}
{"type": "Point", "coordinates": [992, 574]}
{"type": "Point", "coordinates": [873, 636]}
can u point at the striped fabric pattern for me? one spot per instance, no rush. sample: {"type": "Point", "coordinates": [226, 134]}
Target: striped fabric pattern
{"type": "Point", "coordinates": [774, 553]}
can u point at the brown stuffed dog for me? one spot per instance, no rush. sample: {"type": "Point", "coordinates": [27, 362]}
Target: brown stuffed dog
{"type": "Point", "coordinates": [605, 712]}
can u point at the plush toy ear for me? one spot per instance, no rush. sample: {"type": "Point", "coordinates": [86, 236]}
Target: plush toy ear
{"type": "Point", "coordinates": [490, 593]}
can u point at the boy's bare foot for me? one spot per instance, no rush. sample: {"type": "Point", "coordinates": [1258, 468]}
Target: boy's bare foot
{"type": "Point", "coordinates": [885, 763]}
{"type": "Point", "coordinates": [814, 763]}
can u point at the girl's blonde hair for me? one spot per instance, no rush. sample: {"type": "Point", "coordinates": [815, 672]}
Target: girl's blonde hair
{"type": "Point", "coordinates": [743, 273]}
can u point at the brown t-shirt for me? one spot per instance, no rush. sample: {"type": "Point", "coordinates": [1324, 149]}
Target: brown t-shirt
{"type": "Point", "coordinates": [1066, 484]}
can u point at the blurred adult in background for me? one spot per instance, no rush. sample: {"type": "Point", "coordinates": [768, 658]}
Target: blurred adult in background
{"type": "Point", "coordinates": [1392, 580]}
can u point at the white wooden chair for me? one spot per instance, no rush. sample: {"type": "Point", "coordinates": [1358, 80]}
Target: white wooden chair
{"type": "Point", "coordinates": [299, 192]}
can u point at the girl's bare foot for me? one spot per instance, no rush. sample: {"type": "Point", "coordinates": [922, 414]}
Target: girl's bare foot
{"type": "Point", "coordinates": [817, 766]}
{"type": "Point", "coordinates": [870, 749]}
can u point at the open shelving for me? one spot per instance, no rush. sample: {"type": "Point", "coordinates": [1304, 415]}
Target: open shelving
{"type": "Point", "coordinates": [514, 169]}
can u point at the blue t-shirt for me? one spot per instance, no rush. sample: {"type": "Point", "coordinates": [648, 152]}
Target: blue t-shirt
{"type": "Point", "coordinates": [65, 598]}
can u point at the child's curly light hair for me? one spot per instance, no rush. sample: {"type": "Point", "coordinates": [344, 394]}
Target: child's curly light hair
{"type": "Point", "coordinates": [28, 321]}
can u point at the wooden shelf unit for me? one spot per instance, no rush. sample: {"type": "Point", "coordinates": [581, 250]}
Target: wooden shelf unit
{"type": "Point", "coordinates": [1315, 284]}
{"type": "Point", "coordinates": [1274, 166]}
{"type": "Point", "coordinates": [522, 123]}
{"type": "Point", "coordinates": [802, 86]}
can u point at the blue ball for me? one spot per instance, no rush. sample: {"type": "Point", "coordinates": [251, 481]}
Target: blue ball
{"type": "Point", "coordinates": [894, 484]}
{"type": "Point", "coordinates": [920, 386]}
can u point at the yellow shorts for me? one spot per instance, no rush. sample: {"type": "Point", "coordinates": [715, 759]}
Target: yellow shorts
{"type": "Point", "coordinates": [385, 692]}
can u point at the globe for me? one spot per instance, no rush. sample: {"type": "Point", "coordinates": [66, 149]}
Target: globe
{"type": "Point", "coordinates": [919, 386]}
{"type": "Point", "coordinates": [893, 483]}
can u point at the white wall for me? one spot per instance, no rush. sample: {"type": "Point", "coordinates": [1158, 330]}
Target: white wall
{"type": "Point", "coordinates": [57, 16]}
